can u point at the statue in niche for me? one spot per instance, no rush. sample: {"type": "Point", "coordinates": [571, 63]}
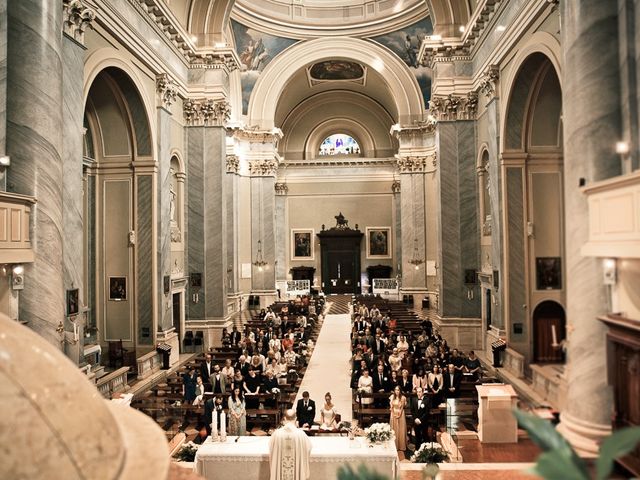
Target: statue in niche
{"type": "Point", "coordinates": [341, 222]}
{"type": "Point", "coordinates": [172, 203]}
{"type": "Point", "coordinates": [176, 235]}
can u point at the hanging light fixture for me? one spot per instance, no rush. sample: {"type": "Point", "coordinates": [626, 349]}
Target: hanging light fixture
{"type": "Point", "coordinates": [260, 261]}
{"type": "Point", "coordinates": [416, 261]}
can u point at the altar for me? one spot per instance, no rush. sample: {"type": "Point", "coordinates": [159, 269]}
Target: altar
{"type": "Point", "coordinates": [248, 458]}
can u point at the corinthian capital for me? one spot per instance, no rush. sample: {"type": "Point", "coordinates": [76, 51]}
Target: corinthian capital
{"type": "Point", "coordinates": [167, 90]}
{"type": "Point", "coordinates": [76, 18]}
{"type": "Point", "coordinates": [263, 168]}
{"type": "Point", "coordinates": [489, 81]}
{"type": "Point", "coordinates": [233, 164]}
{"type": "Point", "coordinates": [281, 188]}
{"type": "Point", "coordinates": [415, 164]}
{"type": "Point", "coordinates": [454, 107]}
{"type": "Point", "coordinates": [206, 112]}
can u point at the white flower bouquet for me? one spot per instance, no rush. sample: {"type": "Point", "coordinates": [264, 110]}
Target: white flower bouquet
{"type": "Point", "coordinates": [187, 452]}
{"type": "Point", "coordinates": [430, 453]}
{"type": "Point", "coordinates": [378, 432]}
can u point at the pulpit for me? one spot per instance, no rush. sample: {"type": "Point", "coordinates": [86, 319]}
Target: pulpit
{"type": "Point", "coordinates": [496, 422]}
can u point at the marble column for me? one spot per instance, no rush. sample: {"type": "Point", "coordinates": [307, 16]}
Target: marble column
{"type": "Point", "coordinates": [413, 221]}
{"type": "Point", "coordinates": [263, 279]}
{"type": "Point", "coordinates": [34, 142]}
{"type": "Point", "coordinates": [281, 232]}
{"type": "Point", "coordinates": [591, 119]}
{"type": "Point", "coordinates": [164, 86]}
{"type": "Point", "coordinates": [458, 224]}
{"type": "Point", "coordinates": [396, 189]}
{"type": "Point", "coordinates": [3, 85]}
{"type": "Point", "coordinates": [73, 53]}
{"type": "Point", "coordinates": [207, 209]}
{"type": "Point", "coordinates": [232, 191]}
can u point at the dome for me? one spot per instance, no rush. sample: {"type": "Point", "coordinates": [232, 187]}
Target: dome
{"type": "Point", "coordinates": [56, 425]}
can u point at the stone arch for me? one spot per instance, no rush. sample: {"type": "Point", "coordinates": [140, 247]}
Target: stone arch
{"type": "Point", "coordinates": [401, 83]}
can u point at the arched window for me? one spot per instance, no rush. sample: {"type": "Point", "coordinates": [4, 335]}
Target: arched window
{"type": "Point", "coordinates": [339, 144]}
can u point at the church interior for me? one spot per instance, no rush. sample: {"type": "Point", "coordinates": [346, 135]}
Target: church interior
{"type": "Point", "coordinates": [209, 208]}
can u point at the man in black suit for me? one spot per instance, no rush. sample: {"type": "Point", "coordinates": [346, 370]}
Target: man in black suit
{"type": "Point", "coordinates": [305, 411]}
{"type": "Point", "coordinates": [419, 407]}
{"type": "Point", "coordinates": [235, 336]}
{"type": "Point", "coordinates": [206, 370]}
{"type": "Point", "coordinates": [451, 382]}
{"type": "Point", "coordinates": [359, 324]}
{"type": "Point", "coordinates": [381, 384]}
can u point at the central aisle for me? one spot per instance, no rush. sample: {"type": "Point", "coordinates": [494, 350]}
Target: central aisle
{"type": "Point", "coordinates": [329, 369]}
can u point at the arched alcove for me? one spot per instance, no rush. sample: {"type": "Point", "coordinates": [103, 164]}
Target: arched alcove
{"type": "Point", "coordinates": [118, 211]}
{"type": "Point", "coordinates": [549, 326]}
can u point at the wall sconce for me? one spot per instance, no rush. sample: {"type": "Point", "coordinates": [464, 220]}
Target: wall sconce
{"type": "Point", "coordinates": [17, 278]}
{"type": "Point", "coordinates": [609, 271]}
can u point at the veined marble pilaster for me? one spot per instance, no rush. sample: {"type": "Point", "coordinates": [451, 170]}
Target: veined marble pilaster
{"type": "Point", "coordinates": [34, 141]}
{"type": "Point", "coordinates": [263, 230]}
{"type": "Point", "coordinates": [412, 206]}
{"type": "Point", "coordinates": [163, 207]}
{"type": "Point", "coordinates": [396, 189]}
{"type": "Point", "coordinates": [72, 168]}
{"type": "Point", "coordinates": [207, 211]}
{"type": "Point", "coordinates": [589, 35]}
{"type": "Point", "coordinates": [281, 189]}
{"type": "Point", "coordinates": [3, 80]}
{"type": "Point", "coordinates": [232, 193]}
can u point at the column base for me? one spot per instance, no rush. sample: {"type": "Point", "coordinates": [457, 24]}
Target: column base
{"type": "Point", "coordinates": [267, 297]}
{"type": "Point", "coordinates": [211, 329]}
{"type": "Point", "coordinates": [585, 437]}
{"type": "Point", "coordinates": [462, 333]}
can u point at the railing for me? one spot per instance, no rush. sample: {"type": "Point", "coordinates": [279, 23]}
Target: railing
{"type": "Point", "coordinates": [298, 287]}
{"type": "Point", "coordinates": [148, 364]}
{"type": "Point", "coordinates": [386, 286]}
{"type": "Point", "coordinates": [113, 382]}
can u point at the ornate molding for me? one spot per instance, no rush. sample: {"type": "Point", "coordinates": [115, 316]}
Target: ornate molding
{"type": "Point", "coordinates": [489, 81]}
{"type": "Point", "coordinates": [76, 17]}
{"type": "Point", "coordinates": [167, 90]}
{"type": "Point", "coordinates": [206, 112]}
{"type": "Point", "coordinates": [233, 164]}
{"type": "Point", "coordinates": [416, 164]}
{"type": "Point", "coordinates": [255, 135]}
{"type": "Point", "coordinates": [395, 186]}
{"type": "Point", "coordinates": [263, 168]}
{"type": "Point", "coordinates": [281, 188]}
{"type": "Point", "coordinates": [453, 107]}
{"type": "Point", "coordinates": [166, 25]}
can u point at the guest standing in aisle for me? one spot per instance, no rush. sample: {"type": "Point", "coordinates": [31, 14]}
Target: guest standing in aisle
{"type": "Point", "coordinates": [397, 418]}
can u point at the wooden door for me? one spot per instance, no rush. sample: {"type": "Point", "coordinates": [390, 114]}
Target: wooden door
{"type": "Point", "coordinates": [549, 332]}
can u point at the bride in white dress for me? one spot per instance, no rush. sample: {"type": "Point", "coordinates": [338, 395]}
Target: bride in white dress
{"type": "Point", "coordinates": [328, 413]}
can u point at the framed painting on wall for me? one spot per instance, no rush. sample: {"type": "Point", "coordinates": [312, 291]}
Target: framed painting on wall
{"type": "Point", "coordinates": [73, 302]}
{"type": "Point", "coordinates": [548, 273]}
{"type": "Point", "coordinates": [378, 242]}
{"type": "Point", "coordinates": [118, 288]}
{"type": "Point", "coordinates": [302, 243]}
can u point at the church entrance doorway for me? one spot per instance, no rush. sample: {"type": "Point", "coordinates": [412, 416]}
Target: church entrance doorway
{"type": "Point", "coordinates": [340, 260]}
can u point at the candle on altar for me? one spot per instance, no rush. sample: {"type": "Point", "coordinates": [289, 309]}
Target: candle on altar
{"type": "Point", "coordinates": [214, 423]}
{"type": "Point", "coordinates": [223, 425]}
{"type": "Point", "coordinates": [554, 336]}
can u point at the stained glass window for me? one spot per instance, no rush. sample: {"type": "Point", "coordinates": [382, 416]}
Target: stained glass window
{"type": "Point", "coordinates": [339, 144]}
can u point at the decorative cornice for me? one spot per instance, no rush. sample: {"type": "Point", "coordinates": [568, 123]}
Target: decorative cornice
{"type": "Point", "coordinates": [453, 107]}
{"type": "Point", "coordinates": [281, 188]}
{"type": "Point", "coordinates": [255, 135]}
{"type": "Point", "coordinates": [233, 164]}
{"type": "Point", "coordinates": [206, 112]}
{"type": "Point", "coordinates": [166, 24]}
{"type": "Point", "coordinates": [167, 90]}
{"type": "Point", "coordinates": [416, 164]}
{"type": "Point", "coordinates": [76, 18]}
{"type": "Point", "coordinates": [263, 168]}
{"type": "Point", "coordinates": [395, 186]}
{"type": "Point", "coordinates": [489, 81]}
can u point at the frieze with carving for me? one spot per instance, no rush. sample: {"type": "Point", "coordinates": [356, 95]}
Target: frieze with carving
{"type": "Point", "coordinates": [416, 164]}
{"type": "Point", "coordinates": [263, 168]}
{"type": "Point", "coordinates": [167, 90]}
{"type": "Point", "coordinates": [77, 17]}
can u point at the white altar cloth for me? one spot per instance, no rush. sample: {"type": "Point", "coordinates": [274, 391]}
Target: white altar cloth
{"type": "Point", "coordinates": [248, 459]}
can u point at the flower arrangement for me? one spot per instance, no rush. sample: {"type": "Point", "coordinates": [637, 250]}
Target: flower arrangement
{"type": "Point", "coordinates": [430, 453]}
{"type": "Point", "coordinates": [379, 432]}
{"type": "Point", "coordinates": [187, 452]}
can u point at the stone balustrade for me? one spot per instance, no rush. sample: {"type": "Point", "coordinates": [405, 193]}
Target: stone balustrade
{"type": "Point", "coordinates": [113, 382]}
{"type": "Point", "coordinates": [149, 364]}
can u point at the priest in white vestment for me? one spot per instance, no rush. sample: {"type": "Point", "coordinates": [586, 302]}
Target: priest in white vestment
{"type": "Point", "coordinates": [289, 451]}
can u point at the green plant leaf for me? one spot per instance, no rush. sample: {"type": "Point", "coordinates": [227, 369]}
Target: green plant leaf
{"type": "Point", "coordinates": [346, 472]}
{"type": "Point", "coordinates": [620, 443]}
{"type": "Point", "coordinates": [543, 434]}
{"type": "Point", "coordinates": [553, 465]}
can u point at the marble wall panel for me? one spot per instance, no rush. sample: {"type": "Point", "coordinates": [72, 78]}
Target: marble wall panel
{"type": "Point", "coordinates": [281, 237]}
{"type": "Point", "coordinates": [90, 223]}
{"type": "Point", "coordinates": [215, 224]}
{"type": "Point", "coordinates": [412, 219]}
{"type": "Point", "coordinates": [195, 217]}
{"type": "Point", "coordinates": [263, 228]}
{"type": "Point", "coordinates": [163, 223]}
{"type": "Point", "coordinates": [515, 238]}
{"type": "Point", "coordinates": [144, 250]}
{"type": "Point", "coordinates": [3, 75]}
{"type": "Point", "coordinates": [34, 142]}
{"type": "Point", "coordinates": [231, 192]}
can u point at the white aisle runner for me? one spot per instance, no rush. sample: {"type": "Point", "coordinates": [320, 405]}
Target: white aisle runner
{"type": "Point", "coordinates": [329, 367]}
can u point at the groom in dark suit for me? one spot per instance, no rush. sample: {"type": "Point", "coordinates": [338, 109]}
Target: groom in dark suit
{"type": "Point", "coordinates": [420, 413]}
{"type": "Point", "coordinates": [305, 410]}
